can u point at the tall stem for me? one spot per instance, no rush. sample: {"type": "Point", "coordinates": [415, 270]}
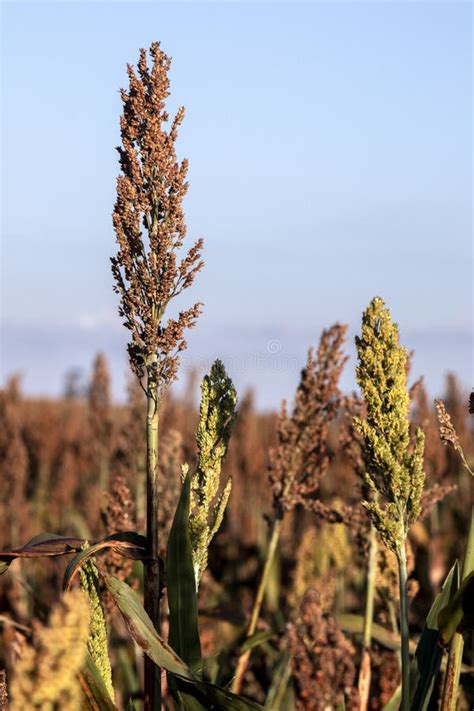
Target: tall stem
{"type": "Point", "coordinates": [152, 573]}
{"type": "Point", "coordinates": [370, 591]}
{"type": "Point", "coordinates": [404, 630]}
{"type": "Point", "coordinates": [365, 666]}
{"type": "Point", "coordinates": [257, 606]}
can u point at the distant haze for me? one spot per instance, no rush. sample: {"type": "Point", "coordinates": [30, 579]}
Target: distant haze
{"type": "Point", "coordinates": [330, 155]}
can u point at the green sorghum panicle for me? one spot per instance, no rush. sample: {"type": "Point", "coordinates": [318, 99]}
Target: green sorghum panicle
{"type": "Point", "coordinates": [97, 641]}
{"type": "Point", "coordinates": [395, 466]}
{"type": "Point", "coordinates": [216, 418]}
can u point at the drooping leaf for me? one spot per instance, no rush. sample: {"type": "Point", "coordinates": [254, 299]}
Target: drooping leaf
{"type": "Point", "coordinates": [426, 662]}
{"type": "Point", "coordinates": [43, 545]}
{"type": "Point", "coordinates": [189, 687]}
{"type": "Point", "coordinates": [181, 586]}
{"type": "Point", "coordinates": [94, 689]}
{"type": "Point", "coordinates": [128, 543]}
{"type": "Point", "coordinates": [48, 545]}
{"type": "Point", "coordinates": [142, 630]}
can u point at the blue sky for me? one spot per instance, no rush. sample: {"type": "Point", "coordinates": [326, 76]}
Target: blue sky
{"type": "Point", "coordinates": [330, 153]}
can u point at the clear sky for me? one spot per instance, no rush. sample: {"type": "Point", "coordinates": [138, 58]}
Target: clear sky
{"type": "Point", "coordinates": [330, 151]}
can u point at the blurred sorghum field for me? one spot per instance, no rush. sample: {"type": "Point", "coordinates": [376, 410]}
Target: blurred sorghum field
{"type": "Point", "coordinates": [76, 465]}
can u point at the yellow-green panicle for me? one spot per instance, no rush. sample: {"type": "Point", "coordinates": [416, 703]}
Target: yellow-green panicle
{"type": "Point", "coordinates": [216, 418]}
{"type": "Point", "coordinates": [46, 676]}
{"type": "Point", "coordinates": [395, 469]}
{"type": "Point", "coordinates": [97, 642]}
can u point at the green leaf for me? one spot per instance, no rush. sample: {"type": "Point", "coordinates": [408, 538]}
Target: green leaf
{"type": "Point", "coordinates": [279, 684]}
{"type": "Point", "coordinates": [459, 612]}
{"type": "Point", "coordinates": [142, 630]}
{"type": "Point", "coordinates": [354, 624]}
{"type": "Point", "coordinates": [187, 702]}
{"type": "Point", "coordinates": [181, 586]}
{"type": "Point", "coordinates": [453, 619]}
{"type": "Point", "coordinates": [468, 563]}
{"type": "Point", "coordinates": [211, 697]}
{"type": "Point", "coordinates": [192, 691]}
{"type": "Point", "coordinates": [128, 543]}
{"type": "Point", "coordinates": [4, 565]}
{"type": "Point", "coordinates": [256, 639]}
{"type": "Point", "coordinates": [394, 703]}
{"type": "Point", "coordinates": [426, 662]}
{"type": "Point", "coordinates": [94, 688]}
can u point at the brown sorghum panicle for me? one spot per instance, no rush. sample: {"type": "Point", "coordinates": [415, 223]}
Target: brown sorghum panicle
{"type": "Point", "coordinates": [301, 456]}
{"type": "Point", "coordinates": [324, 671]}
{"type": "Point", "coordinates": [149, 222]}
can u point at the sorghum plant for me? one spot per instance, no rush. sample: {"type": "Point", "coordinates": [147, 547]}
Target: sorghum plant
{"type": "Point", "coordinates": [47, 674]}
{"type": "Point", "coordinates": [97, 640]}
{"type": "Point", "coordinates": [394, 467]}
{"type": "Point", "coordinates": [301, 456]}
{"type": "Point", "coordinates": [150, 228]}
{"type": "Point", "coordinates": [217, 415]}
{"type": "Point", "coordinates": [450, 437]}
{"type": "Point", "coordinates": [324, 671]}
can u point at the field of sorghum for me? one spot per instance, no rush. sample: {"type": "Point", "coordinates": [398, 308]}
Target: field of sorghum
{"type": "Point", "coordinates": [206, 556]}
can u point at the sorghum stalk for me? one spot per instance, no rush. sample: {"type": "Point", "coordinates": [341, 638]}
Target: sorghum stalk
{"type": "Point", "coordinates": [370, 588]}
{"type": "Point", "coordinates": [404, 630]}
{"type": "Point", "coordinates": [394, 465]}
{"type": "Point", "coordinates": [149, 224]}
{"type": "Point", "coordinates": [152, 573]}
{"type": "Point", "coordinates": [365, 670]}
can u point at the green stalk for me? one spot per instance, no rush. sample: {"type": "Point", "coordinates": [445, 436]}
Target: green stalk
{"type": "Point", "coordinates": [456, 648]}
{"type": "Point", "coordinates": [365, 670]}
{"type": "Point", "coordinates": [392, 613]}
{"type": "Point", "coordinates": [243, 660]}
{"type": "Point", "coordinates": [152, 577]}
{"type": "Point", "coordinates": [404, 630]}
{"type": "Point", "coordinates": [370, 591]}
